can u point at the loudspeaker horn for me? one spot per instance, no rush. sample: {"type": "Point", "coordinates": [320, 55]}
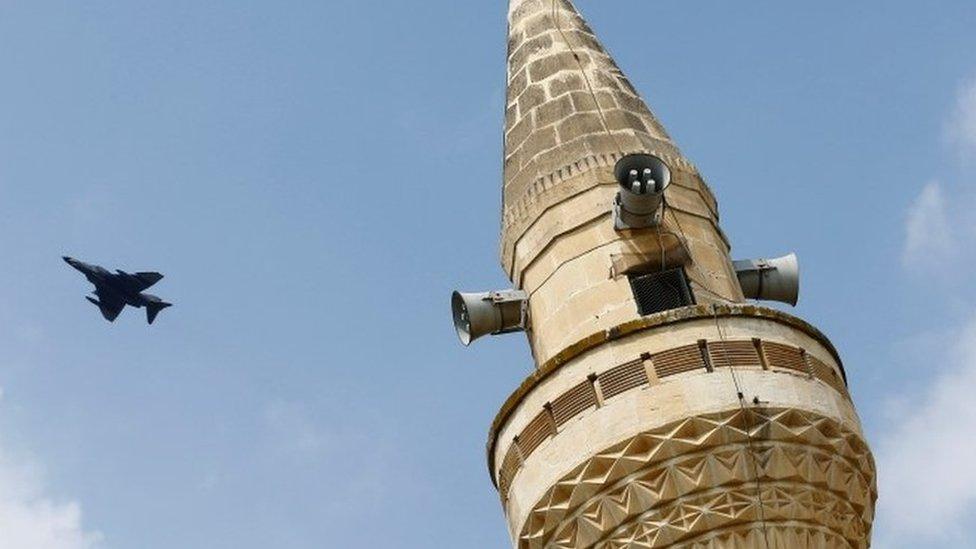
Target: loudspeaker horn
{"type": "Point", "coordinates": [642, 179]}
{"type": "Point", "coordinates": [484, 313]}
{"type": "Point", "coordinates": [770, 279]}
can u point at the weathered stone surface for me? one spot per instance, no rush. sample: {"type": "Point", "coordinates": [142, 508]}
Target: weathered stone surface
{"type": "Point", "coordinates": [518, 133]}
{"type": "Point", "coordinates": [532, 48]}
{"type": "Point", "coordinates": [632, 432]}
{"type": "Point", "coordinates": [541, 140]}
{"type": "Point", "coordinates": [516, 86]}
{"type": "Point", "coordinates": [565, 83]}
{"type": "Point", "coordinates": [550, 57]}
{"type": "Point", "coordinates": [555, 110]}
{"type": "Point", "coordinates": [531, 98]}
{"type": "Point", "coordinates": [676, 436]}
{"type": "Point", "coordinates": [579, 125]}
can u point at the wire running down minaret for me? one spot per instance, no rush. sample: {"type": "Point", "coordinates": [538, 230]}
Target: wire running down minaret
{"type": "Point", "coordinates": [669, 405]}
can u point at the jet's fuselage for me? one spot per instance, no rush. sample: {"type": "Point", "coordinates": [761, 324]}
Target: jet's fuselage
{"type": "Point", "coordinates": [120, 288]}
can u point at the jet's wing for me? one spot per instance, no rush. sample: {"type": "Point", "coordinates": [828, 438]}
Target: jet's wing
{"type": "Point", "coordinates": [110, 306]}
{"type": "Point", "coordinates": [137, 282]}
{"type": "Point", "coordinates": [148, 279]}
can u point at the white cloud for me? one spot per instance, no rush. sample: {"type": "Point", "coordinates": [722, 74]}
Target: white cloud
{"type": "Point", "coordinates": [31, 520]}
{"type": "Point", "coordinates": [927, 481]}
{"type": "Point", "coordinates": [928, 236]}
{"type": "Point", "coordinates": [962, 125]}
{"type": "Point", "coordinates": [927, 477]}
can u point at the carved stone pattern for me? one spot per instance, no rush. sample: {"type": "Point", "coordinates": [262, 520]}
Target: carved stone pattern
{"type": "Point", "coordinates": [694, 484]}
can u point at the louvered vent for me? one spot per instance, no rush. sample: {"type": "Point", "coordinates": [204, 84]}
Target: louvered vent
{"type": "Point", "coordinates": [573, 402]}
{"type": "Point", "coordinates": [734, 353]}
{"type": "Point", "coordinates": [827, 374]}
{"type": "Point", "coordinates": [677, 361]}
{"type": "Point", "coordinates": [510, 466]}
{"type": "Point", "coordinates": [622, 378]}
{"type": "Point", "coordinates": [535, 433]}
{"type": "Point", "coordinates": [662, 291]}
{"type": "Point", "coordinates": [785, 356]}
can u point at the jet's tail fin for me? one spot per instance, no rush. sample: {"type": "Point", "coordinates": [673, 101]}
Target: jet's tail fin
{"type": "Point", "coordinates": [153, 308]}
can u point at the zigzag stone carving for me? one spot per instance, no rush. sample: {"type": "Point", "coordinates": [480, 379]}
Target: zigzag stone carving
{"type": "Point", "coordinates": [720, 480]}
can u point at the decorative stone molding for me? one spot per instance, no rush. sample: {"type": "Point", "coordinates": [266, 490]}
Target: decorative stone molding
{"type": "Point", "coordinates": [710, 357]}
{"type": "Point", "coordinates": [661, 320]}
{"type": "Point", "coordinates": [787, 474]}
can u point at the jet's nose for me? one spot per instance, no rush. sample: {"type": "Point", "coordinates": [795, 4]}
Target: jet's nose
{"type": "Point", "coordinates": [68, 260]}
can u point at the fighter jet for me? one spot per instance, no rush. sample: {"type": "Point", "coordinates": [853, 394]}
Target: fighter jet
{"type": "Point", "coordinates": [116, 290]}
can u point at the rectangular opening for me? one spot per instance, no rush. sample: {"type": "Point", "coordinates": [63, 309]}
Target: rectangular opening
{"type": "Point", "coordinates": [661, 291]}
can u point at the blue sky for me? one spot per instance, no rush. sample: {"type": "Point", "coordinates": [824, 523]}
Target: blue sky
{"type": "Point", "coordinates": [314, 179]}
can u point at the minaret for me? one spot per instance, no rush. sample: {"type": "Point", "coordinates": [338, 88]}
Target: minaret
{"type": "Point", "coordinates": [665, 410]}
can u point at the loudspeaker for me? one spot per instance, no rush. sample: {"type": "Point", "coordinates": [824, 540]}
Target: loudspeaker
{"type": "Point", "coordinates": [484, 313]}
{"type": "Point", "coordinates": [642, 179]}
{"type": "Point", "coordinates": [770, 279]}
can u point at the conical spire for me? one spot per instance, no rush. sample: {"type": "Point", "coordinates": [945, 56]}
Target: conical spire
{"type": "Point", "coordinates": [569, 110]}
{"type": "Point", "coordinates": [643, 341]}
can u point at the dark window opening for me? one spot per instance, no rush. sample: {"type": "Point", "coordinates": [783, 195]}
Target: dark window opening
{"type": "Point", "coordinates": [661, 291]}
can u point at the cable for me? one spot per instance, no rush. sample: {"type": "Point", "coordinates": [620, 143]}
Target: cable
{"type": "Point", "coordinates": [557, 21]}
{"type": "Point", "coordinates": [682, 238]}
{"type": "Point", "coordinates": [666, 207]}
{"type": "Point", "coordinates": [749, 440]}
{"type": "Point", "coordinates": [735, 381]}
{"type": "Point", "coordinates": [660, 244]}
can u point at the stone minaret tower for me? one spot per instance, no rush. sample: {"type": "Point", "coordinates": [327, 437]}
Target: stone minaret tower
{"type": "Point", "coordinates": [665, 410]}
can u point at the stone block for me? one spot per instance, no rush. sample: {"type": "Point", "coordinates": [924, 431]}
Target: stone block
{"type": "Point", "coordinates": [544, 67]}
{"type": "Point", "coordinates": [607, 100]}
{"type": "Point", "coordinates": [579, 125]}
{"type": "Point", "coordinates": [513, 162]}
{"type": "Point", "coordinates": [531, 49]}
{"type": "Point", "coordinates": [633, 104]}
{"type": "Point", "coordinates": [518, 133]}
{"type": "Point", "coordinates": [584, 40]}
{"type": "Point", "coordinates": [511, 115]}
{"type": "Point", "coordinates": [520, 10]}
{"type": "Point", "coordinates": [532, 97]}
{"type": "Point", "coordinates": [566, 82]}
{"type": "Point", "coordinates": [583, 101]}
{"type": "Point", "coordinates": [553, 111]}
{"type": "Point", "coordinates": [625, 120]}
{"type": "Point", "coordinates": [517, 85]}
{"type": "Point", "coordinates": [541, 140]}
